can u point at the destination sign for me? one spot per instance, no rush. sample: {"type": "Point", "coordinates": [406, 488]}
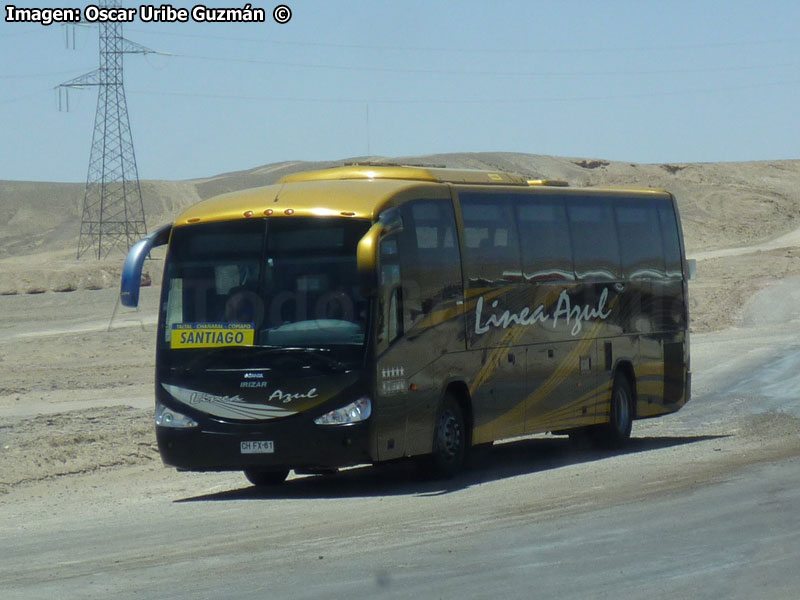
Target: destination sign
{"type": "Point", "coordinates": [211, 335]}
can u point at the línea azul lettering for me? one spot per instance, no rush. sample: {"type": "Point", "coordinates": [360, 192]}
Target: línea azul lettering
{"type": "Point", "coordinates": [575, 315]}
{"type": "Point", "coordinates": [525, 317]}
{"type": "Point", "coordinates": [580, 313]}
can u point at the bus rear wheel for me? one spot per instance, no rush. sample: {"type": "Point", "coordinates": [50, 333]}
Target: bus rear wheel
{"type": "Point", "coordinates": [617, 432]}
{"type": "Point", "coordinates": [449, 440]}
{"type": "Point", "coordinates": [265, 478]}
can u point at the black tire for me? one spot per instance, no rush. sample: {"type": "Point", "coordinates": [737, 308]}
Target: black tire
{"type": "Point", "coordinates": [449, 440]}
{"type": "Point", "coordinates": [617, 432]}
{"type": "Point", "coordinates": [265, 478]}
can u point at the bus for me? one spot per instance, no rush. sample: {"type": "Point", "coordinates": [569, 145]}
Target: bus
{"type": "Point", "coordinates": [365, 313]}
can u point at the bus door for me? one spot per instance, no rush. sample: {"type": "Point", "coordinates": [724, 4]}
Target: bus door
{"type": "Point", "coordinates": [420, 325]}
{"type": "Point", "coordinates": [391, 392]}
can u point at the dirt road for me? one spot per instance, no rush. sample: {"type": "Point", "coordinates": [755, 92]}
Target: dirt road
{"type": "Point", "coordinates": [702, 505]}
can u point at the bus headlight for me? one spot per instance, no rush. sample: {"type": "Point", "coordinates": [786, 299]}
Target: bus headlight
{"type": "Point", "coordinates": [166, 417]}
{"type": "Point", "coordinates": [355, 412]}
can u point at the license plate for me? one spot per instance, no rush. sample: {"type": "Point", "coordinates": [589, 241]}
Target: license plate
{"type": "Point", "coordinates": [266, 447]}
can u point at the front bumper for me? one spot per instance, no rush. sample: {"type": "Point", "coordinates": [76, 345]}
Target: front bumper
{"type": "Point", "coordinates": [297, 445]}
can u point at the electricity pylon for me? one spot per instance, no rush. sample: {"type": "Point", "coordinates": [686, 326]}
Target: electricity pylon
{"type": "Point", "coordinates": [113, 210]}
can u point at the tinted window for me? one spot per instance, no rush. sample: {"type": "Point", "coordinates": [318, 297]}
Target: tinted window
{"type": "Point", "coordinates": [435, 229]}
{"type": "Point", "coordinates": [594, 238]}
{"type": "Point", "coordinates": [491, 247]}
{"type": "Point", "coordinates": [639, 239]}
{"type": "Point", "coordinates": [544, 239]}
{"type": "Point", "coordinates": [672, 246]}
{"type": "Point", "coordinates": [390, 315]}
{"type": "Point", "coordinates": [255, 272]}
{"type": "Point", "coordinates": [431, 268]}
{"type": "Point", "coordinates": [219, 242]}
{"type": "Point", "coordinates": [209, 267]}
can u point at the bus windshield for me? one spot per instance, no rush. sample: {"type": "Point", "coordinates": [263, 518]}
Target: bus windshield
{"type": "Point", "coordinates": [279, 282]}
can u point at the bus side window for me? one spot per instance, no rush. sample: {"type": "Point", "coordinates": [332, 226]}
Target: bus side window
{"type": "Point", "coordinates": [672, 245]}
{"type": "Point", "coordinates": [394, 315]}
{"type": "Point", "coordinates": [544, 239]}
{"type": "Point", "coordinates": [491, 247]}
{"type": "Point", "coordinates": [430, 258]}
{"type": "Point", "coordinates": [639, 239]}
{"type": "Point", "coordinates": [594, 238]}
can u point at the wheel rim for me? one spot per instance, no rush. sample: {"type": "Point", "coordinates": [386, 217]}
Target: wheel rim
{"type": "Point", "coordinates": [450, 436]}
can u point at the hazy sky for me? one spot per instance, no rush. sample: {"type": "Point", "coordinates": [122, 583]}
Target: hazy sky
{"type": "Point", "coordinates": [639, 81]}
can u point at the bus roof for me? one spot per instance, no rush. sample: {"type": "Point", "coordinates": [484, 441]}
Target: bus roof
{"type": "Point", "coordinates": [340, 191]}
{"type": "Point", "coordinates": [349, 198]}
{"type": "Point", "coordinates": [409, 172]}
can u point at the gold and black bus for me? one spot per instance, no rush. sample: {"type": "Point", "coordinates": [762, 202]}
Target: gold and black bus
{"type": "Point", "coordinates": [365, 313]}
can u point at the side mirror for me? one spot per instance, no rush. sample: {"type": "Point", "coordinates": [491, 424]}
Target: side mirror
{"type": "Point", "coordinates": [368, 250]}
{"type": "Point", "coordinates": [691, 265]}
{"type": "Point", "coordinates": [132, 269]}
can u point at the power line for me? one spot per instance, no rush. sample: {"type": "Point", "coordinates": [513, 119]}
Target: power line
{"type": "Point", "coordinates": [24, 32]}
{"type": "Point", "coordinates": [485, 50]}
{"type": "Point", "coordinates": [423, 71]}
{"type": "Point", "coordinates": [38, 75]}
{"type": "Point", "coordinates": [24, 97]}
{"type": "Point", "coordinates": [504, 100]}
{"type": "Point", "coordinates": [494, 72]}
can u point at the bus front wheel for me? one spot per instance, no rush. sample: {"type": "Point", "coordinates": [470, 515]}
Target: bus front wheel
{"type": "Point", "coordinates": [262, 478]}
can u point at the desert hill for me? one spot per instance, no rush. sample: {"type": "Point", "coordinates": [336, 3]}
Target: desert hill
{"type": "Point", "coordinates": [723, 205]}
